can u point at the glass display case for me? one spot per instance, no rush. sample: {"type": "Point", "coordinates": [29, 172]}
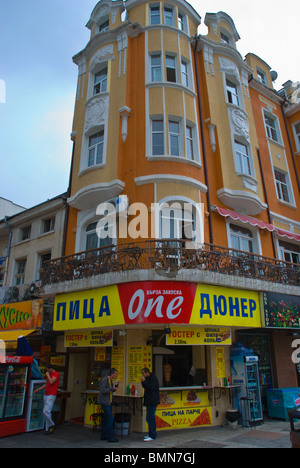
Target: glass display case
{"type": "Point", "coordinates": [35, 417]}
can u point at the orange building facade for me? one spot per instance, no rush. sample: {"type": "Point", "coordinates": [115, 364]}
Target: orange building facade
{"type": "Point", "coordinates": [183, 212]}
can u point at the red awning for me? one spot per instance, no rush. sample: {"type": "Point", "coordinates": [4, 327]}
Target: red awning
{"type": "Point", "coordinates": [289, 235]}
{"type": "Point", "coordinates": [244, 219]}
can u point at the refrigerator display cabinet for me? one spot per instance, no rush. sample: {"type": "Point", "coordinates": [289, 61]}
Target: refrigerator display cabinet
{"type": "Point", "coordinates": [14, 387]}
{"type": "Point", "coordinates": [35, 417]}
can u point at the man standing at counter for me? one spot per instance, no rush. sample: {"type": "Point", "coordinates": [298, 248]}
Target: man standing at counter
{"type": "Point", "coordinates": [151, 401]}
{"type": "Point", "coordinates": [106, 390]}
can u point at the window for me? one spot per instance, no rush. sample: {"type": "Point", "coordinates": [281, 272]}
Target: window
{"type": "Point", "coordinates": [95, 149]}
{"type": "Point", "coordinates": [157, 137]}
{"type": "Point", "coordinates": [242, 158]}
{"type": "Point", "coordinates": [289, 252]}
{"type": "Point", "coordinates": [168, 16]}
{"type": "Point", "coordinates": [155, 14]}
{"type": "Point", "coordinates": [1, 278]}
{"type": "Point", "coordinates": [174, 138]}
{"type": "Point", "coordinates": [43, 258]}
{"type": "Point", "coordinates": [20, 271]}
{"type": "Point", "coordinates": [96, 239]}
{"type": "Point", "coordinates": [104, 26]}
{"type": "Point", "coordinates": [189, 143]}
{"type": "Point", "coordinates": [181, 22]}
{"type": "Point", "coordinates": [171, 68]}
{"type": "Point", "coordinates": [25, 233]}
{"type": "Point", "coordinates": [155, 67]}
{"type": "Point", "coordinates": [282, 185]}
{"type": "Point", "coordinates": [261, 76]}
{"type": "Point", "coordinates": [232, 93]}
{"type": "Point", "coordinates": [241, 238]}
{"type": "Point", "coordinates": [224, 39]}
{"type": "Point", "coordinates": [176, 223]}
{"type": "Point", "coordinates": [184, 73]}
{"type": "Point", "coordinates": [100, 81]}
{"type": "Point", "coordinates": [48, 225]}
{"type": "Point", "coordinates": [297, 133]}
{"type": "Point", "coordinates": [271, 128]}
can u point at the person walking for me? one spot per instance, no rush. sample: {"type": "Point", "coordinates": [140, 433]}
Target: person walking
{"type": "Point", "coordinates": [51, 386]}
{"type": "Point", "coordinates": [151, 401]}
{"type": "Point", "coordinates": [106, 390]}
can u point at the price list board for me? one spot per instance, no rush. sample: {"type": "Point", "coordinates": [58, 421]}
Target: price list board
{"type": "Point", "coordinates": [138, 358]}
{"type": "Point", "coordinates": [117, 361]}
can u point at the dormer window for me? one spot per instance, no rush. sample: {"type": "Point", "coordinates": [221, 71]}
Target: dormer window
{"type": "Point", "coordinates": [104, 26]}
{"type": "Point", "coordinates": [261, 76]}
{"type": "Point", "coordinates": [225, 39]}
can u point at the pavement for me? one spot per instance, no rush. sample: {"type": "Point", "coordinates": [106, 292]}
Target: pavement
{"type": "Point", "coordinates": [271, 434]}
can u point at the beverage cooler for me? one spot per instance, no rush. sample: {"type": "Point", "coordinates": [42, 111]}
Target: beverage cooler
{"type": "Point", "coordinates": [245, 373]}
{"type": "Point", "coordinates": [35, 417]}
{"type": "Point", "coordinates": [14, 389]}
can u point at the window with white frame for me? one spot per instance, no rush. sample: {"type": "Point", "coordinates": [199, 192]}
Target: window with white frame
{"type": "Point", "coordinates": [232, 93]}
{"type": "Point", "coordinates": [289, 252]}
{"type": "Point", "coordinates": [158, 146]}
{"type": "Point", "coordinates": [225, 39]}
{"type": "Point", "coordinates": [43, 258]}
{"type": "Point", "coordinates": [100, 81]}
{"type": "Point", "coordinates": [176, 222]}
{"type": "Point", "coordinates": [182, 23]}
{"type": "Point", "coordinates": [155, 67]}
{"type": "Point", "coordinates": [168, 16]}
{"type": "Point", "coordinates": [154, 14]}
{"type": "Point", "coordinates": [189, 136]}
{"type": "Point", "coordinates": [297, 135]}
{"type": "Point", "coordinates": [184, 73]}
{"type": "Point", "coordinates": [171, 68]}
{"type": "Point", "coordinates": [95, 149]}
{"type": "Point", "coordinates": [25, 233]}
{"type": "Point", "coordinates": [20, 267]}
{"type": "Point", "coordinates": [96, 238]}
{"type": "Point", "coordinates": [48, 225]}
{"type": "Point", "coordinates": [261, 76]}
{"type": "Point", "coordinates": [282, 185]}
{"type": "Point", "coordinates": [174, 138]}
{"type": "Point", "coordinates": [271, 126]}
{"type": "Point", "coordinates": [243, 162]}
{"type": "Point", "coordinates": [104, 25]}
{"type": "Point", "coordinates": [241, 238]}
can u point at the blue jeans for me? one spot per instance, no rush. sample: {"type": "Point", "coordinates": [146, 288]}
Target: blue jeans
{"type": "Point", "coordinates": [150, 418]}
{"type": "Point", "coordinates": [107, 428]}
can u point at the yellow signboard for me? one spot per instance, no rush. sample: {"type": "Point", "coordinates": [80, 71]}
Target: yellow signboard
{"type": "Point", "coordinates": [183, 418]}
{"type": "Point", "coordinates": [96, 308]}
{"type": "Point", "coordinates": [199, 336]}
{"type": "Point", "coordinates": [88, 338]}
{"type": "Point", "coordinates": [220, 306]}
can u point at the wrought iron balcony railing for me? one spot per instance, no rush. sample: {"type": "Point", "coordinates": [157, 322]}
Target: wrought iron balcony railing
{"type": "Point", "coordinates": [169, 255]}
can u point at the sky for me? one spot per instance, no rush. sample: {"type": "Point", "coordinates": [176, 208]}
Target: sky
{"type": "Point", "coordinates": [38, 79]}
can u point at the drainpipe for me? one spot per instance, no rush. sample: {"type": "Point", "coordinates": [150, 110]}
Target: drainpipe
{"type": "Point", "coordinates": [290, 144]}
{"type": "Point", "coordinates": [8, 248]}
{"type": "Point", "coordinates": [211, 237]}
{"type": "Point", "coordinates": [267, 200]}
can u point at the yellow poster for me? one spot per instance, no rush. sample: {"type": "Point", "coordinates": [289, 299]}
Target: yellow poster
{"type": "Point", "coordinates": [170, 399]}
{"type": "Point", "coordinates": [220, 361]}
{"type": "Point", "coordinates": [194, 398]}
{"type": "Point", "coordinates": [92, 407]}
{"type": "Point", "coordinates": [199, 336]}
{"type": "Point", "coordinates": [117, 361]}
{"type": "Point", "coordinates": [139, 357]}
{"type": "Point", "coordinates": [220, 306]}
{"type": "Point", "coordinates": [88, 338]}
{"type": "Point", "coordinates": [96, 308]}
{"type": "Point", "coordinates": [183, 418]}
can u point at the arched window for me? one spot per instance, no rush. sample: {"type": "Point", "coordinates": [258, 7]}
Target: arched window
{"type": "Point", "coordinates": [97, 238]}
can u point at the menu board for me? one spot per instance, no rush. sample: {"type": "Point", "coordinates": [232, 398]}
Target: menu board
{"type": "Point", "coordinates": [117, 361]}
{"type": "Point", "coordinates": [138, 358]}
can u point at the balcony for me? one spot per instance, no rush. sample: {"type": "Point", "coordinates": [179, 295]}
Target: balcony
{"type": "Point", "coordinates": [169, 256]}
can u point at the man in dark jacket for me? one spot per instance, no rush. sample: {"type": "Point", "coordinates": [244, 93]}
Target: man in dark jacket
{"type": "Point", "coordinates": [106, 390]}
{"type": "Point", "coordinates": [151, 400]}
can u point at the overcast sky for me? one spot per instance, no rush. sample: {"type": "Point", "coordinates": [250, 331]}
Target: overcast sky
{"type": "Point", "coordinates": [38, 39]}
